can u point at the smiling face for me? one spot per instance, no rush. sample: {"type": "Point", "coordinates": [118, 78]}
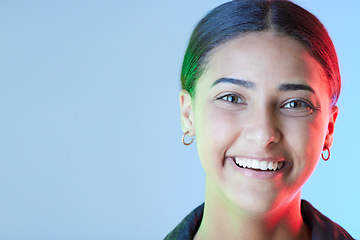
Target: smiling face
{"type": "Point", "coordinates": [262, 104]}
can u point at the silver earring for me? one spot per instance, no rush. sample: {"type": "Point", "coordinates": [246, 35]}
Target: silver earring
{"type": "Point", "coordinates": [328, 156]}
{"type": "Point", "coordinates": [183, 139]}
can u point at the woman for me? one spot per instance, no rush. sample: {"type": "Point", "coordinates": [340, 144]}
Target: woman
{"type": "Point", "coordinates": [260, 84]}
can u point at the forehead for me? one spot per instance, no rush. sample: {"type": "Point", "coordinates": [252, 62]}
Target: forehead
{"type": "Point", "coordinates": [264, 57]}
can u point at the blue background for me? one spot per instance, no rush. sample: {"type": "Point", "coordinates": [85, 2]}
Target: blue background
{"type": "Point", "coordinates": [90, 137]}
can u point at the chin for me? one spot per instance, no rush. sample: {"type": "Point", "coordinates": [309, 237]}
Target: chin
{"type": "Point", "coordinates": [251, 202]}
{"type": "Point", "coordinates": [256, 206]}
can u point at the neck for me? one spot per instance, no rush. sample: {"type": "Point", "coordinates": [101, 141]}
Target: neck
{"type": "Point", "coordinates": [225, 220]}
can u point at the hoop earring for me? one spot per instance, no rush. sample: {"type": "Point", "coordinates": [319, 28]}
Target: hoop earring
{"type": "Point", "coordinates": [322, 154]}
{"type": "Point", "coordinates": [183, 141]}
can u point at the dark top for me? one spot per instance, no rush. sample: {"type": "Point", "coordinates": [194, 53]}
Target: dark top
{"type": "Point", "coordinates": [322, 228]}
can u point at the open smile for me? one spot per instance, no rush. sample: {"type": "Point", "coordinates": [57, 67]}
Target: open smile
{"type": "Point", "coordinates": [256, 164]}
{"type": "Point", "coordinates": [259, 168]}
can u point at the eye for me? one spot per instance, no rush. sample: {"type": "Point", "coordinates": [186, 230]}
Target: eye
{"type": "Point", "coordinates": [298, 107]}
{"type": "Point", "coordinates": [232, 98]}
{"type": "Point", "coordinates": [296, 104]}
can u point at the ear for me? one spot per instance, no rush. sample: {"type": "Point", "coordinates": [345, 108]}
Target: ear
{"type": "Point", "coordinates": [331, 127]}
{"type": "Point", "coordinates": [187, 113]}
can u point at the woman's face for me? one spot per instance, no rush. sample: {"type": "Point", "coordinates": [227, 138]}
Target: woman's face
{"type": "Point", "coordinates": [262, 103]}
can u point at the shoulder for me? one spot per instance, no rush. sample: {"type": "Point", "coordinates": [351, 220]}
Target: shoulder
{"type": "Point", "coordinates": [321, 226]}
{"type": "Point", "coordinates": [188, 227]}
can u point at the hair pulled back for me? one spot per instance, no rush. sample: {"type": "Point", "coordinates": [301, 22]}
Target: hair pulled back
{"type": "Point", "coordinates": [238, 17]}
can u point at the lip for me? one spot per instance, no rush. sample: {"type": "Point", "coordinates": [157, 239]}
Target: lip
{"type": "Point", "coordinates": [260, 174]}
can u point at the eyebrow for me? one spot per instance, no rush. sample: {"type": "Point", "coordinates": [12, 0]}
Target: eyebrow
{"type": "Point", "coordinates": [251, 85]}
{"type": "Point", "coordinates": [294, 87]}
{"type": "Point", "coordinates": [240, 82]}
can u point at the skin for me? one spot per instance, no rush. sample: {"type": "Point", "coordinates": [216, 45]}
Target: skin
{"type": "Point", "coordinates": [264, 121]}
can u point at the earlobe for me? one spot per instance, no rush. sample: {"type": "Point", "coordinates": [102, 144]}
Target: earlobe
{"type": "Point", "coordinates": [331, 126]}
{"type": "Point", "coordinates": [187, 113]}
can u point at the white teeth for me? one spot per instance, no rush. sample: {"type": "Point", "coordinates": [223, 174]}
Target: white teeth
{"type": "Point", "coordinates": [248, 163]}
{"type": "Point", "coordinates": [270, 165]}
{"type": "Point", "coordinates": [264, 165]}
{"type": "Point", "coordinates": [275, 166]}
{"type": "Point", "coordinates": [242, 162]}
{"type": "Point", "coordinates": [256, 164]}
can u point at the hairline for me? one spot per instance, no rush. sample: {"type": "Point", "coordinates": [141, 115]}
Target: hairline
{"type": "Point", "coordinates": [204, 63]}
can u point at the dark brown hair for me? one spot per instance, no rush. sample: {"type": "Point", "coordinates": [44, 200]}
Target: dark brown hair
{"type": "Point", "coordinates": [238, 17]}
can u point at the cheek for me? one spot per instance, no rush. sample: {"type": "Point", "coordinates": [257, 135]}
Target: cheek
{"type": "Point", "coordinates": [305, 135]}
{"type": "Point", "coordinates": [214, 133]}
{"type": "Point", "coordinates": [315, 137]}
{"type": "Point", "coordinates": [305, 141]}
{"type": "Point", "coordinates": [315, 143]}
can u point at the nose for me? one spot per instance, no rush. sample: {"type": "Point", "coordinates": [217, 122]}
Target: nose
{"type": "Point", "coordinates": [262, 129]}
